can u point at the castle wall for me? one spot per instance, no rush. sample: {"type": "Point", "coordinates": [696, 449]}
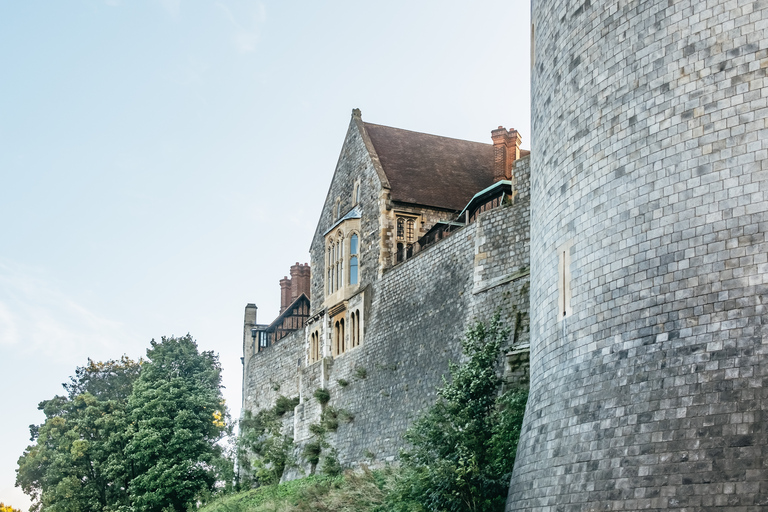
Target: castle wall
{"type": "Point", "coordinates": [415, 316]}
{"type": "Point", "coordinates": [273, 372]}
{"type": "Point", "coordinates": [649, 173]}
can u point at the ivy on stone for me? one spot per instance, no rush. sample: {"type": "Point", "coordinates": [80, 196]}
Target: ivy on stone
{"type": "Point", "coordinates": [462, 449]}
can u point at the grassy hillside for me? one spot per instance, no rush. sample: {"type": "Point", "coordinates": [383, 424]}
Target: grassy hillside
{"type": "Point", "coordinates": [366, 491]}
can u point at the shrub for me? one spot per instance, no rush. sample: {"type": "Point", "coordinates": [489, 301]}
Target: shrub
{"type": "Point", "coordinates": [312, 451]}
{"type": "Point", "coordinates": [329, 419]}
{"type": "Point", "coordinates": [345, 416]}
{"type": "Point", "coordinates": [331, 465]}
{"type": "Point", "coordinates": [331, 424]}
{"type": "Point", "coordinates": [284, 404]}
{"type": "Point", "coordinates": [322, 395]}
{"type": "Point", "coordinates": [317, 429]}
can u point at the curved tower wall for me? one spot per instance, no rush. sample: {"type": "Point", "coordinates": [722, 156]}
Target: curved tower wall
{"type": "Point", "coordinates": [649, 169]}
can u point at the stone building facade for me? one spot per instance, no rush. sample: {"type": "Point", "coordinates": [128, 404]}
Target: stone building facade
{"type": "Point", "coordinates": [649, 212]}
{"type": "Point", "coordinates": [644, 209]}
{"type": "Point", "coordinates": [419, 237]}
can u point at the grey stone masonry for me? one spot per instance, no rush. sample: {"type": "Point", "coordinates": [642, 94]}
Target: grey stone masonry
{"type": "Point", "coordinates": [649, 213]}
{"type": "Point", "coordinates": [354, 166]}
{"type": "Point", "coordinates": [416, 314]}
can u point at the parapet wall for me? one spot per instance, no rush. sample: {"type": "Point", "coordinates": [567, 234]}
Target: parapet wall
{"type": "Point", "coordinates": [415, 316]}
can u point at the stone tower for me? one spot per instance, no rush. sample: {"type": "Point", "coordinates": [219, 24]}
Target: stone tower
{"type": "Point", "coordinates": [649, 200]}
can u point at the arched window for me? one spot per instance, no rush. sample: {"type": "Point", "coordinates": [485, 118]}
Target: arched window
{"type": "Point", "coordinates": [342, 259]}
{"type": "Point", "coordinates": [354, 333]}
{"type": "Point", "coordinates": [329, 266]}
{"type": "Point", "coordinates": [336, 345]}
{"type": "Point", "coordinates": [400, 228]}
{"type": "Point", "coordinates": [357, 327]}
{"type": "Point", "coordinates": [335, 264]}
{"type": "Point", "coordinates": [356, 192]}
{"type": "Point", "coordinates": [314, 347]}
{"type": "Point", "coordinates": [353, 264]}
{"type": "Point", "coordinates": [339, 261]}
{"type": "Point", "coordinates": [317, 353]}
{"type": "Point", "coordinates": [339, 345]}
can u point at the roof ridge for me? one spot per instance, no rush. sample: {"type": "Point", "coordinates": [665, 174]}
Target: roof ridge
{"type": "Point", "coordinates": [428, 134]}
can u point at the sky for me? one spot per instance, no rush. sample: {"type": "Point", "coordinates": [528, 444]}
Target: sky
{"type": "Point", "coordinates": [164, 162]}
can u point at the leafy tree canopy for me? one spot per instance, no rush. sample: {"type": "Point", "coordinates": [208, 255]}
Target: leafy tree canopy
{"type": "Point", "coordinates": [175, 412]}
{"type": "Point", "coordinates": [110, 380]}
{"type": "Point", "coordinates": [130, 435]}
{"type": "Point", "coordinates": [73, 465]}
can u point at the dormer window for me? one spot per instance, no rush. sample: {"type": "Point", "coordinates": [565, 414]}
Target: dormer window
{"type": "Point", "coordinates": [406, 228]}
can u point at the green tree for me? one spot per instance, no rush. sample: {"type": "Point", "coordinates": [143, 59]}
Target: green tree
{"type": "Point", "coordinates": [175, 411]}
{"type": "Point", "coordinates": [76, 462]}
{"type": "Point", "coordinates": [462, 449]}
{"type": "Point", "coordinates": [110, 380]}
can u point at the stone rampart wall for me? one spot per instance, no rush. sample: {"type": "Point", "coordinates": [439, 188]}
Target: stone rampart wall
{"type": "Point", "coordinates": [415, 316]}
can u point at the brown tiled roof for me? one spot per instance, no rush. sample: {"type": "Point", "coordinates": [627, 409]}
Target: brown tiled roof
{"type": "Point", "coordinates": [430, 170]}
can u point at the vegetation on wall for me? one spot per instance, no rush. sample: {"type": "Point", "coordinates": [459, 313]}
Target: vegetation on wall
{"type": "Point", "coordinates": [322, 395]}
{"type": "Point", "coordinates": [460, 458]}
{"type": "Point", "coordinates": [139, 436]}
{"type": "Point", "coordinates": [462, 450]}
{"type": "Point", "coordinates": [283, 404]}
{"type": "Point", "coordinates": [263, 451]}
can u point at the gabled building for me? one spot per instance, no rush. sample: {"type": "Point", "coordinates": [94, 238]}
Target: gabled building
{"type": "Point", "coordinates": [419, 235]}
{"type": "Point", "coordinates": [392, 188]}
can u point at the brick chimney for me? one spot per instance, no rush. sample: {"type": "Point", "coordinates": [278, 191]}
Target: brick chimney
{"type": "Point", "coordinates": [299, 280]}
{"type": "Point", "coordinates": [285, 293]}
{"type": "Point", "coordinates": [304, 280]}
{"type": "Point", "coordinates": [506, 149]}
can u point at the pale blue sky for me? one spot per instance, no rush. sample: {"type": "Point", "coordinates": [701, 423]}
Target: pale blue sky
{"type": "Point", "coordinates": [163, 162]}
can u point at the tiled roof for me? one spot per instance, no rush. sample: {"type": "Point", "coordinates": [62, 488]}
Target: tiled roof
{"type": "Point", "coordinates": [430, 170]}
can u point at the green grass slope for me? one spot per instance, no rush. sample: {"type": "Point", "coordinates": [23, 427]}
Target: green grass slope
{"type": "Point", "coordinates": [365, 491]}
